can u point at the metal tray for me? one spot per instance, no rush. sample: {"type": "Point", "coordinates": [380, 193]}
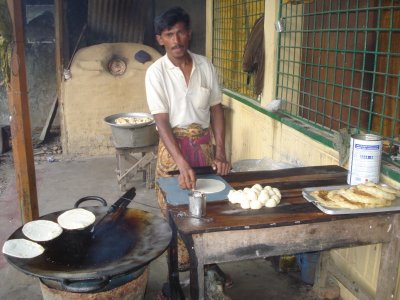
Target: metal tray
{"type": "Point", "coordinates": [342, 211]}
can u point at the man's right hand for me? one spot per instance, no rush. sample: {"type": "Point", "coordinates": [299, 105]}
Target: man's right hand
{"type": "Point", "coordinates": [187, 178]}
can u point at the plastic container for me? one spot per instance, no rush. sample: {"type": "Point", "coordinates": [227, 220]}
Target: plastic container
{"type": "Point", "coordinates": [308, 264]}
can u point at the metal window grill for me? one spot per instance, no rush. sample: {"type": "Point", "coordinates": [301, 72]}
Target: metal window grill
{"type": "Point", "coordinates": [339, 65]}
{"type": "Point", "coordinates": [232, 24]}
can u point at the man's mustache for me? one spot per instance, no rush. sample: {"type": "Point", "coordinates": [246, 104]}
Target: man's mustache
{"type": "Point", "coordinates": [177, 47]}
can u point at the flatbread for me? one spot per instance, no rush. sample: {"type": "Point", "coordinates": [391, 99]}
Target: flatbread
{"type": "Point", "coordinates": [209, 186]}
{"type": "Point", "coordinates": [77, 218]}
{"type": "Point", "coordinates": [41, 230]}
{"type": "Point", "coordinates": [322, 197]}
{"type": "Point", "coordinates": [22, 248]}
{"type": "Point", "coordinates": [356, 195]}
{"type": "Point", "coordinates": [378, 191]}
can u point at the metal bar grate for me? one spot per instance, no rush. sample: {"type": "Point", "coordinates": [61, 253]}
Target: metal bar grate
{"type": "Point", "coordinates": [339, 65]}
{"type": "Point", "coordinates": [232, 24]}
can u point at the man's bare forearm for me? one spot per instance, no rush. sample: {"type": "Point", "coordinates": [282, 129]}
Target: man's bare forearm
{"type": "Point", "coordinates": [218, 128]}
{"type": "Point", "coordinates": [220, 163]}
{"type": "Point", "coordinates": [187, 177]}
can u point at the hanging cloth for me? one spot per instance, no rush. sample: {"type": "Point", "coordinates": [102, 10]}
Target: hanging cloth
{"type": "Point", "coordinates": [253, 57]}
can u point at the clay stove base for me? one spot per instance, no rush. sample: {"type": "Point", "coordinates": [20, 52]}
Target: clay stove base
{"type": "Point", "coordinates": [133, 290]}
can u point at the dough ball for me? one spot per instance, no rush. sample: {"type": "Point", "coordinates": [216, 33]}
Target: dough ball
{"type": "Point", "coordinates": [257, 186]}
{"type": "Point", "coordinates": [231, 196]}
{"type": "Point", "coordinates": [246, 189]}
{"type": "Point", "coordinates": [270, 203]}
{"type": "Point", "coordinates": [276, 198]}
{"type": "Point", "coordinates": [256, 191]}
{"type": "Point", "coordinates": [267, 188]}
{"type": "Point", "coordinates": [238, 196]}
{"type": "Point", "coordinates": [245, 204]}
{"type": "Point", "coordinates": [277, 191]}
{"type": "Point", "coordinates": [251, 195]}
{"type": "Point", "coordinates": [263, 197]}
{"type": "Point", "coordinates": [255, 204]}
{"type": "Point", "coordinates": [271, 193]}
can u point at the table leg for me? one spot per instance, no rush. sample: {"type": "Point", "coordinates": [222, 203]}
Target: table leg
{"type": "Point", "coordinates": [175, 289]}
{"type": "Point", "coordinates": [390, 258]}
{"type": "Point", "coordinates": [195, 248]}
{"type": "Point", "coordinates": [321, 273]}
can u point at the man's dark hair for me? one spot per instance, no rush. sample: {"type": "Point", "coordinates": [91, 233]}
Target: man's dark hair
{"type": "Point", "coordinates": [169, 18]}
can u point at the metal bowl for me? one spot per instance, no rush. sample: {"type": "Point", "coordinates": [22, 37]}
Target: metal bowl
{"type": "Point", "coordinates": [133, 135]}
{"type": "Point", "coordinates": [110, 120]}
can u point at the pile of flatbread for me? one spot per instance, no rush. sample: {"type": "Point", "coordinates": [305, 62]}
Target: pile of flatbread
{"type": "Point", "coordinates": [365, 195]}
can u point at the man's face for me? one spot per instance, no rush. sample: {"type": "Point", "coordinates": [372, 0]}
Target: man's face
{"type": "Point", "coordinates": [175, 40]}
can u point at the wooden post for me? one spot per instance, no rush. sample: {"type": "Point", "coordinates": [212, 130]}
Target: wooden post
{"type": "Point", "coordinates": [58, 28]}
{"type": "Point", "coordinates": [20, 120]}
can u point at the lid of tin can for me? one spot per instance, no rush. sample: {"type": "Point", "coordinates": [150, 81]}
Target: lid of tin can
{"type": "Point", "coordinates": [366, 137]}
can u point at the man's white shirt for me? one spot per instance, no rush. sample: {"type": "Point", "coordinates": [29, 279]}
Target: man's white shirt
{"type": "Point", "coordinates": [167, 91]}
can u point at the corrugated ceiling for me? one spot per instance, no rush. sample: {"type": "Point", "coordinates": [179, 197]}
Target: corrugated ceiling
{"type": "Point", "coordinates": [117, 20]}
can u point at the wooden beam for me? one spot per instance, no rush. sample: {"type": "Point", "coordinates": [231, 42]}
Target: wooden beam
{"type": "Point", "coordinates": [58, 32]}
{"type": "Point", "coordinates": [20, 120]}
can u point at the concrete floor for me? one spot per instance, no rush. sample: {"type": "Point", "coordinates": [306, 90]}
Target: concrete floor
{"type": "Point", "coordinates": [62, 182]}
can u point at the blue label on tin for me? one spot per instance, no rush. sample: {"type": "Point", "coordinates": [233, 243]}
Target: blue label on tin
{"type": "Point", "coordinates": [367, 147]}
{"type": "Point", "coordinates": [367, 156]}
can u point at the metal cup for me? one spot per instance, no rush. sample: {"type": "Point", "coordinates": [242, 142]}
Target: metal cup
{"type": "Point", "coordinates": [197, 204]}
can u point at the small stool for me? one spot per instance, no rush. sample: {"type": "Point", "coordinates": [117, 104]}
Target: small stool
{"type": "Point", "coordinates": [130, 161]}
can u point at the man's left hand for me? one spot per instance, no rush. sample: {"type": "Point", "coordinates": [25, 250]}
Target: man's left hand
{"type": "Point", "coordinates": [221, 166]}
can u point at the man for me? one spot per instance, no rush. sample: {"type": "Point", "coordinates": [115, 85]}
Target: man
{"type": "Point", "coordinates": [184, 97]}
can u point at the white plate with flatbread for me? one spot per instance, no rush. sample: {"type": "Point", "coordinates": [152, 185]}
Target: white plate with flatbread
{"type": "Point", "coordinates": [307, 194]}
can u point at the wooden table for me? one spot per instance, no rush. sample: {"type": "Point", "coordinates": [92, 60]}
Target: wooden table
{"type": "Point", "coordinates": [295, 226]}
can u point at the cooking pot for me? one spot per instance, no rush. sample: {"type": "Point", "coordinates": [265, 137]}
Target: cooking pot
{"type": "Point", "coordinates": [122, 247]}
{"type": "Point", "coordinates": [133, 135]}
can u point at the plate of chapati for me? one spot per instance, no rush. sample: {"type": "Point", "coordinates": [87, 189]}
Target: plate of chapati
{"type": "Point", "coordinates": [346, 199]}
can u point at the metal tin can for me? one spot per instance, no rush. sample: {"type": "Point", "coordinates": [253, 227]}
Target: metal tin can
{"type": "Point", "coordinates": [365, 158]}
{"type": "Point", "coordinates": [197, 204]}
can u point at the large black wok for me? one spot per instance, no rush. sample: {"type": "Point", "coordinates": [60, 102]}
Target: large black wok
{"type": "Point", "coordinates": [121, 245]}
